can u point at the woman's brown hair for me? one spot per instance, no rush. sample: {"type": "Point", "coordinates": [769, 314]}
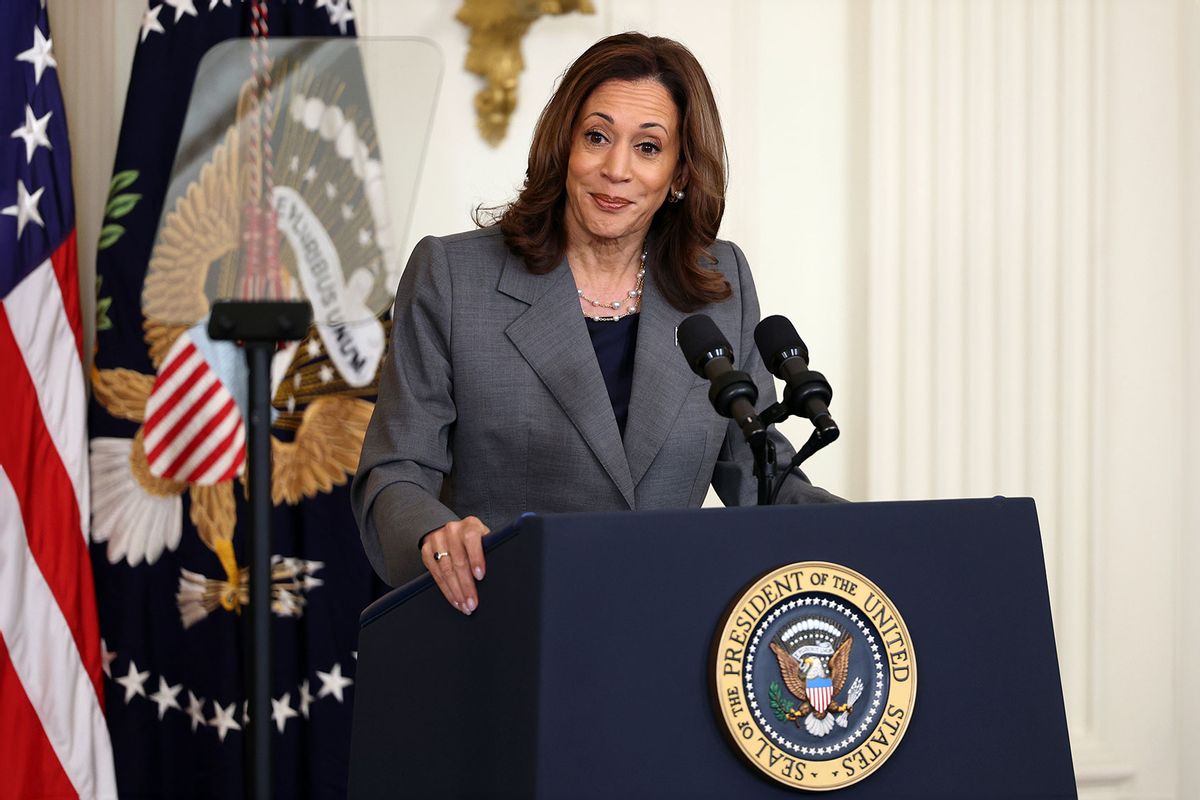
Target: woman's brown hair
{"type": "Point", "coordinates": [681, 232]}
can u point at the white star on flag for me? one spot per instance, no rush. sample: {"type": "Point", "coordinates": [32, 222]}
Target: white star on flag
{"type": "Point", "coordinates": [313, 348]}
{"type": "Point", "coordinates": [340, 14]}
{"type": "Point", "coordinates": [306, 698]}
{"type": "Point", "coordinates": [39, 55]}
{"type": "Point", "coordinates": [134, 682]}
{"type": "Point", "coordinates": [26, 209]}
{"type": "Point", "coordinates": [325, 373]}
{"type": "Point", "coordinates": [282, 711]}
{"type": "Point", "coordinates": [333, 683]}
{"type": "Point", "coordinates": [223, 720]}
{"type": "Point", "coordinates": [182, 7]}
{"type": "Point", "coordinates": [310, 174]}
{"type": "Point", "coordinates": [150, 23]}
{"type": "Point", "coordinates": [33, 132]}
{"type": "Point", "coordinates": [213, 4]}
{"type": "Point", "coordinates": [106, 657]}
{"type": "Point", "coordinates": [195, 709]}
{"type": "Point", "coordinates": [165, 696]}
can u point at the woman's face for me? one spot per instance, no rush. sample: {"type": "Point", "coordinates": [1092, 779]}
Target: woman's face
{"type": "Point", "coordinates": [624, 157]}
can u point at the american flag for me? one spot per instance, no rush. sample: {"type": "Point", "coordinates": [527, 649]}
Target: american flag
{"type": "Point", "coordinates": [55, 743]}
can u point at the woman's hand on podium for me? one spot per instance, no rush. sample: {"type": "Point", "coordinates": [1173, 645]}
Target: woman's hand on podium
{"type": "Point", "coordinates": [453, 554]}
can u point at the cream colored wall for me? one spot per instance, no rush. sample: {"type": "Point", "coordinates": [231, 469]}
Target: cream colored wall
{"type": "Point", "coordinates": [1188, 654]}
{"type": "Point", "coordinates": [979, 214]}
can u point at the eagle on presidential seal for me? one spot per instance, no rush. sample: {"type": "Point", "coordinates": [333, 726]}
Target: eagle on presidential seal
{"type": "Point", "coordinates": [191, 433]}
{"type": "Point", "coordinates": [814, 663]}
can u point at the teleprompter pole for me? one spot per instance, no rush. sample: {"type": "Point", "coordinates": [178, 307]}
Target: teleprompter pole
{"type": "Point", "coordinates": [258, 327]}
{"type": "Point", "coordinates": [258, 354]}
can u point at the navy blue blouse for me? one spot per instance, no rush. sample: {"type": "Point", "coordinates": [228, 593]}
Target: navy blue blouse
{"type": "Point", "coordinates": [615, 343]}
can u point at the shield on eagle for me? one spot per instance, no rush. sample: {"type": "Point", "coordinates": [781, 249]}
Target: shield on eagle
{"type": "Point", "coordinates": [193, 427]}
{"type": "Point", "coordinates": [820, 692]}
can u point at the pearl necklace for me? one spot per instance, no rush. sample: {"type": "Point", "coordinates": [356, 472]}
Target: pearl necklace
{"type": "Point", "coordinates": [634, 296]}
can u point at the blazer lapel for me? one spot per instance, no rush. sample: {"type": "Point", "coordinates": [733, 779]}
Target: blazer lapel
{"type": "Point", "coordinates": [552, 336]}
{"type": "Point", "coordinates": [661, 380]}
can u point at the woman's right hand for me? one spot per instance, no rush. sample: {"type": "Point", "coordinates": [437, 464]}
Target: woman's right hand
{"type": "Point", "coordinates": [453, 554]}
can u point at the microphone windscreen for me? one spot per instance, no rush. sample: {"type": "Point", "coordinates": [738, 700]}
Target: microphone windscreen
{"type": "Point", "coordinates": [774, 335]}
{"type": "Point", "coordinates": [701, 340]}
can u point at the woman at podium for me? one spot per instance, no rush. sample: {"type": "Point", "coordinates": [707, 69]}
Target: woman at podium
{"type": "Point", "coordinates": [533, 364]}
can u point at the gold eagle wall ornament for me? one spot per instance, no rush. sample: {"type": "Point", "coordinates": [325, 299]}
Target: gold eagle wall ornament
{"type": "Point", "coordinates": [497, 28]}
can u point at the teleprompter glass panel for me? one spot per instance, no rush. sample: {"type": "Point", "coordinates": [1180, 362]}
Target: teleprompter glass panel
{"type": "Point", "coordinates": [295, 178]}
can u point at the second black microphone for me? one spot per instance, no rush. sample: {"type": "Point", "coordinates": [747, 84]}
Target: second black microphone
{"type": "Point", "coordinates": [733, 392]}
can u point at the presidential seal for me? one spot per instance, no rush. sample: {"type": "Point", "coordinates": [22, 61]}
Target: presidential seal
{"type": "Point", "coordinates": [814, 675]}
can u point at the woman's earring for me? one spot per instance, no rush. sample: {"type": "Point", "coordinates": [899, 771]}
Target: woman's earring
{"type": "Point", "coordinates": [675, 197]}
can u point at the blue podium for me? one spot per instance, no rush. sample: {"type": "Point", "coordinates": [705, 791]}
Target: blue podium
{"type": "Point", "coordinates": [588, 669]}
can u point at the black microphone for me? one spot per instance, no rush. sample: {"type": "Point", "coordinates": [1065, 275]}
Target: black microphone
{"type": "Point", "coordinates": [733, 392]}
{"type": "Point", "coordinates": [806, 393]}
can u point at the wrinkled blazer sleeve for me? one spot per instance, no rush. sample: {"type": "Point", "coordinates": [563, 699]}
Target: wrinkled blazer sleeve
{"type": "Point", "coordinates": [407, 449]}
{"type": "Point", "coordinates": [733, 475]}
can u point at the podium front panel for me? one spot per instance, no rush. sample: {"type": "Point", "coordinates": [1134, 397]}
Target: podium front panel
{"type": "Point", "coordinates": [587, 665]}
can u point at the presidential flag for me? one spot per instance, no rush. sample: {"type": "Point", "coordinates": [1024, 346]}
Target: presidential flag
{"type": "Point", "coordinates": [53, 740]}
{"type": "Point", "coordinates": [167, 418]}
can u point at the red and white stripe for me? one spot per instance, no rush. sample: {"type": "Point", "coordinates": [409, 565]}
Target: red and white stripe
{"type": "Point", "coordinates": [55, 742]}
{"type": "Point", "coordinates": [193, 431]}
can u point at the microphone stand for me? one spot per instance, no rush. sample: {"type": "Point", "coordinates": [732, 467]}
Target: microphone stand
{"type": "Point", "coordinates": [755, 432]}
{"type": "Point", "coordinates": [763, 450]}
{"type": "Point", "coordinates": [764, 458]}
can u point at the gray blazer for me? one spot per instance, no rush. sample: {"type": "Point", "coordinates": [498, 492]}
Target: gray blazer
{"type": "Point", "coordinates": [491, 403]}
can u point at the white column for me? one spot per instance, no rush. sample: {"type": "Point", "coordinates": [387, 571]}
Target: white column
{"type": "Point", "coordinates": [1024, 325]}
